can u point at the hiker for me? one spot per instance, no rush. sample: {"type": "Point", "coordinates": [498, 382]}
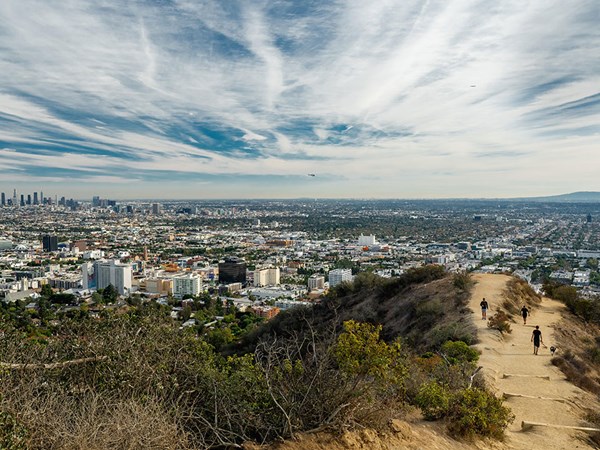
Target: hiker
{"type": "Point", "coordinates": [484, 307]}
{"type": "Point", "coordinates": [524, 313]}
{"type": "Point", "coordinates": [536, 338]}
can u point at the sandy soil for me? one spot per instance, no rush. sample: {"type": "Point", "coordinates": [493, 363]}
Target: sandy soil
{"type": "Point", "coordinates": [402, 436]}
{"type": "Point", "coordinates": [513, 354]}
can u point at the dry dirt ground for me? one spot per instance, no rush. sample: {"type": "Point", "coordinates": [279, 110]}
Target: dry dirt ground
{"type": "Point", "coordinates": [412, 435]}
{"type": "Point", "coordinates": [512, 354]}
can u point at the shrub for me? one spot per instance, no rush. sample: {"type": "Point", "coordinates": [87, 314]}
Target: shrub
{"type": "Point", "coordinates": [452, 332]}
{"type": "Point", "coordinates": [359, 351]}
{"type": "Point", "coordinates": [499, 321]}
{"type": "Point", "coordinates": [434, 400]}
{"type": "Point", "coordinates": [462, 281]}
{"type": "Point", "coordinates": [594, 418]}
{"type": "Point", "coordinates": [459, 351]}
{"type": "Point", "coordinates": [594, 354]}
{"type": "Point", "coordinates": [475, 412]}
{"type": "Point", "coordinates": [13, 434]}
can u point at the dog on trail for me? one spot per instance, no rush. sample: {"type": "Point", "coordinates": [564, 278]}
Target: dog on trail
{"type": "Point", "coordinates": [552, 349]}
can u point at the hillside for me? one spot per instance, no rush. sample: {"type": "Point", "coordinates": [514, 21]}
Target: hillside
{"type": "Point", "coordinates": [379, 364]}
{"type": "Point", "coordinates": [425, 307]}
{"type": "Point", "coordinates": [132, 379]}
{"type": "Point", "coordinates": [573, 197]}
{"type": "Point", "coordinates": [509, 368]}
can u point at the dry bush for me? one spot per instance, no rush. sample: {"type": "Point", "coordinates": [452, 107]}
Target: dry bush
{"type": "Point", "coordinates": [577, 371]}
{"type": "Point", "coordinates": [593, 417]}
{"type": "Point", "coordinates": [499, 321]}
{"type": "Point", "coordinates": [93, 421]}
{"type": "Point", "coordinates": [577, 356]}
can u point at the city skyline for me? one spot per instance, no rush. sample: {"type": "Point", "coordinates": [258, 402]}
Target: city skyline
{"type": "Point", "coordinates": [202, 100]}
{"type": "Point", "coordinates": [39, 198]}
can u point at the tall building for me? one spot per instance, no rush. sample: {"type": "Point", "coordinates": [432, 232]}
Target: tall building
{"type": "Point", "coordinates": [337, 276]}
{"type": "Point", "coordinates": [589, 218]}
{"type": "Point", "coordinates": [366, 240]}
{"type": "Point", "coordinates": [42, 199]}
{"type": "Point", "coordinates": [96, 201]}
{"type": "Point", "coordinates": [29, 199]}
{"type": "Point", "coordinates": [316, 281]}
{"type": "Point", "coordinates": [35, 198]}
{"type": "Point", "coordinates": [50, 243]}
{"type": "Point", "coordinates": [156, 208]}
{"type": "Point", "coordinates": [100, 274]}
{"type": "Point", "coordinates": [232, 270]}
{"type": "Point", "coordinates": [22, 199]}
{"type": "Point", "coordinates": [88, 279]}
{"type": "Point", "coordinates": [266, 277]}
{"type": "Point", "coordinates": [188, 284]}
{"type": "Point", "coordinates": [3, 200]}
{"type": "Point", "coordinates": [14, 199]}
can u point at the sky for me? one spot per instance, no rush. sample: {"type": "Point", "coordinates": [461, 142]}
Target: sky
{"type": "Point", "coordinates": [244, 99]}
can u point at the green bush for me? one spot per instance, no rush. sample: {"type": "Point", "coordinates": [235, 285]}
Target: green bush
{"type": "Point", "coordinates": [13, 434]}
{"type": "Point", "coordinates": [475, 412]}
{"type": "Point", "coordinates": [434, 400]}
{"type": "Point", "coordinates": [459, 351]}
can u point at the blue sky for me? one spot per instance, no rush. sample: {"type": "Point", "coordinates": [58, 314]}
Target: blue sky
{"type": "Point", "coordinates": [209, 99]}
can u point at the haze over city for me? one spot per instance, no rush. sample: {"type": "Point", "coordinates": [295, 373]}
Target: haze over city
{"type": "Point", "coordinates": [394, 99]}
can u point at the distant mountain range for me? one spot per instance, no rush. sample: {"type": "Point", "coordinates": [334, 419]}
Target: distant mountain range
{"type": "Point", "coordinates": [573, 197]}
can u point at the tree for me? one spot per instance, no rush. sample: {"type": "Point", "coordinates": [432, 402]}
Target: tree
{"type": "Point", "coordinates": [97, 297]}
{"type": "Point", "coordinates": [110, 294]}
{"type": "Point", "coordinates": [186, 312]}
{"type": "Point", "coordinates": [44, 309]}
{"type": "Point", "coordinates": [46, 291]}
{"type": "Point", "coordinates": [62, 298]}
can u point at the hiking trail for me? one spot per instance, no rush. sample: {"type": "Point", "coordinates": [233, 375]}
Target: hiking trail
{"type": "Point", "coordinates": [540, 392]}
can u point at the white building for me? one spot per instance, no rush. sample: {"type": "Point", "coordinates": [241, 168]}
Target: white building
{"type": "Point", "coordinates": [316, 281]}
{"type": "Point", "coordinates": [100, 274]}
{"type": "Point", "coordinates": [366, 240]}
{"type": "Point", "coordinates": [93, 254]}
{"type": "Point", "coordinates": [337, 276]}
{"type": "Point", "coordinates": [188, 284]}
{"type": "Point", "coordinates": [266, 277]}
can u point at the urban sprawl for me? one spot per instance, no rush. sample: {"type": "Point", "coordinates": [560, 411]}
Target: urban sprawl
{"type": "Point", "coordinates": [260, 257]}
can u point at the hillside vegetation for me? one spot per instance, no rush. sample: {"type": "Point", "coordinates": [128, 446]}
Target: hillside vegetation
{"type": "Point", "coordinates": [578, 342]}
{"type": "Point", "coordinates": [425, 307]}
{"type": "Point", "coordinates": [134, 380]}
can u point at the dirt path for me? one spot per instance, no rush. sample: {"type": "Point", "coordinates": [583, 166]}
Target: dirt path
{"type": "Point", "coordinates": [513, 354]}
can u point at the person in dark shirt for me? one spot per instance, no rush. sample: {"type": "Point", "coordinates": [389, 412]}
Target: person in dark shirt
{"type": "Point", "coordinates": [524, 313]}
{"type": "Point", "coordinates": [484, 307]}
{"type": "Point", "coordinates": [536, 338]}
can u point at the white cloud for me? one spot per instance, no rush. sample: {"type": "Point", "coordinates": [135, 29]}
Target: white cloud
{"type": "Point", "coordinates": [141, 83]}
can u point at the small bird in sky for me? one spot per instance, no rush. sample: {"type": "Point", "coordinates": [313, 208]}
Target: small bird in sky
{"type": "Point", "coordinates": [311, 175]}
{"type": "Point", "coordinates": [473, 85]}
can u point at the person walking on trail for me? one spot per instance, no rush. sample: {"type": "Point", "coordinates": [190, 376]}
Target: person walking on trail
{"type": "Point", "coordinates": [524, 313]}
{"type": "Point", "coordinates": [484, 307]}
{"type": "Point", "coordinates": [536, 338]}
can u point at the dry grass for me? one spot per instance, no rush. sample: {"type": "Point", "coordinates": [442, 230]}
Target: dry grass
{"type": "Point", "coordinates": [519, 293]}
{"type": "Point", "coordinates": [61, 420]}
{"type": "Point", "coordinates": [577, 341]}
{"type": "Point", "coordinates": [593, 418]}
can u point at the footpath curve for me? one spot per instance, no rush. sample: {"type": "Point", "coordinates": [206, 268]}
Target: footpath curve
{"type": "Point", "coordinates": [540, 392]}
